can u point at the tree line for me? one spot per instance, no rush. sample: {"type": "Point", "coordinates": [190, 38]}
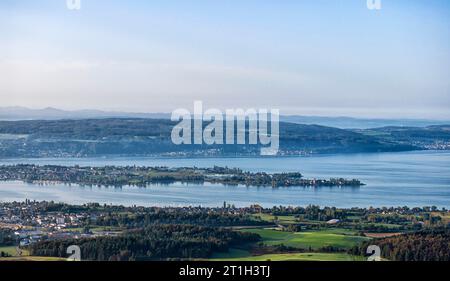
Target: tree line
{"type": "Point", "coordinates": [158, 242]}
{"type": "Point", "coordinates": [429, 245]}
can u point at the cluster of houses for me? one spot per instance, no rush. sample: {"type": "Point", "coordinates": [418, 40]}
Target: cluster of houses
{"type": "Point", "coordinates": [31, 226]}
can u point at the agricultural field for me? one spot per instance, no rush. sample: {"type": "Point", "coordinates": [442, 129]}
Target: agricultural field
{"type": "Point", "coordinates": [12, 251]}
{"type": "Point", "coordinates": [297, 257]}
{"type": "Point", "coordinates": [32, 258]}
{"type": "Point", "coordinates": [338, 238]}
{"type": "Point", "coordinates": [284, 220]}
{"type": "Point", "coordinates": [309, 240]}
{"type": "Point", "coordinates": [280, 219]}
{"type": "Point", "coordinates": [9, 250]}
{"type": "Point", "coordinates": [444, 216]}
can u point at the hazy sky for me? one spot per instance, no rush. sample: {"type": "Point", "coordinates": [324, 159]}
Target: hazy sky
{"type": "Point", "coordinates": [333, 57]}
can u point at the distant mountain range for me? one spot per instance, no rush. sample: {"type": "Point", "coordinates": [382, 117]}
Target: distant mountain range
{"type": "Point", "coordinates": [361, 123]}
{"type": "Point", "coordinates": [23, 113]}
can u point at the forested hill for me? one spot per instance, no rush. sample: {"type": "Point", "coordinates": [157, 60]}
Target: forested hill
{"type": "Point", "coordinates": [431, 137]}
{"type": "Point", "coordinates": [132, 136]}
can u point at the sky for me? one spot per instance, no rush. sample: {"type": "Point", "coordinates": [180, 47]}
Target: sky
{"type": "Point", "coordinates": [310, 57]}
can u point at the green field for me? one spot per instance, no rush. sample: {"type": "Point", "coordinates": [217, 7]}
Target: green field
{"type": "Point", "coordinates": [281, 219]}
{"type": "Point", "coordinates": [338, 238]}
{"type": "Point", "coordinates": [387, 225]}
{"type": "Point", "coordinates": [284, 220]}
{"type": "Point", "coordinates": [297, 257]}
{"type": "Point", "coordinates": [32, 258]}
{"type": "Point", "coordinates": [11, 250]}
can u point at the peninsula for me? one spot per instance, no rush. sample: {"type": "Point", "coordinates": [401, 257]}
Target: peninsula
{"type": "Point", "coordinates": [143, 176]}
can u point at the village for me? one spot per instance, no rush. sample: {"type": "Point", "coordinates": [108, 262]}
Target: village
{"type": "Point", "coordinates": [31, 224]}
{"type": "Point", "coordinates": [33, 221]}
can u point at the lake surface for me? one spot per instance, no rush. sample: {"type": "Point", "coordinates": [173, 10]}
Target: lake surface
{"type": "Point", "coordinates": [413, 179]}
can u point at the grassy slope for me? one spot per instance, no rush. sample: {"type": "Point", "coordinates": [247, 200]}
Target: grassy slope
{"type": "Point", "coordinates": [281, 219]}
{"type": "Point", "coordinates": [11, 250]}
{"type": "Point", "coordinates": [315, 239]}
{"type": "Point", "coordinates": [32, 258]}
{"type": "Point", "coordinates": [336, 237]}
{"type": "Point", "coordinates": [296, 257]}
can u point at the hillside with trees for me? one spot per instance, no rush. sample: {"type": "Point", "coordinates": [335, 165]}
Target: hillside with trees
{"type": "Point", "coordinates": [155, 242]}
{"type": "Point", "coordinates": [427, 245]}
{"type": "Point", "coordinates": [128, 136]}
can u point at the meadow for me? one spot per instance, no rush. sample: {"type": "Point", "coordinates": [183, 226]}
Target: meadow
{"type": "Point", "coordinates": [338, 238]}
{"type": "Point", "coordinates": [297, 257]}
{"type": "Point", "coordinates": [9, 250]}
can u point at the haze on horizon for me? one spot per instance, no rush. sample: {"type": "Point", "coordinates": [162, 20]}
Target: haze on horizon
{"type": "Point", "coordinates": [315, 57]}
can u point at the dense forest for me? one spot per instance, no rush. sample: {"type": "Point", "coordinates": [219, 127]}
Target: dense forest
{"type": "Point", "coordinates": [155, 242]}
{"type": "Point", "coordinates": [7, 237]}
{"type": "Point", "coordinates": [211, 218]}
{"type": "Point", "coordinates": [427, 245]}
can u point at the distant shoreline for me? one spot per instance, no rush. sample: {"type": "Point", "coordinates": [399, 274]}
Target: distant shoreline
{"type": "Point", "coordinates": [137, 157]}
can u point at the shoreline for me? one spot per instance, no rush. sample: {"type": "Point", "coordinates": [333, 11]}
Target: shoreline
{"type": "Point", "coordinates": [158, 157]}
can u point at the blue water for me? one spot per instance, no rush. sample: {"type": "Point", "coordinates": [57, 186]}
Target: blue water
{"type": "Point", "coordinates": [413, 179]}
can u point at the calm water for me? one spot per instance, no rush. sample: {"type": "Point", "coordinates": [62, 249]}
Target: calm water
{"type": "Point", "coordinates": [413, 179]}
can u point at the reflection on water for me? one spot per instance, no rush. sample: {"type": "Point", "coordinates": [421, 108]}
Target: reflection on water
{"type": "Point", "coordinates": [393, 179]}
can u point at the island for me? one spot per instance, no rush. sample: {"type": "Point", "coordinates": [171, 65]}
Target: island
{"type": "Point", "coordinates": [142, 176]}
